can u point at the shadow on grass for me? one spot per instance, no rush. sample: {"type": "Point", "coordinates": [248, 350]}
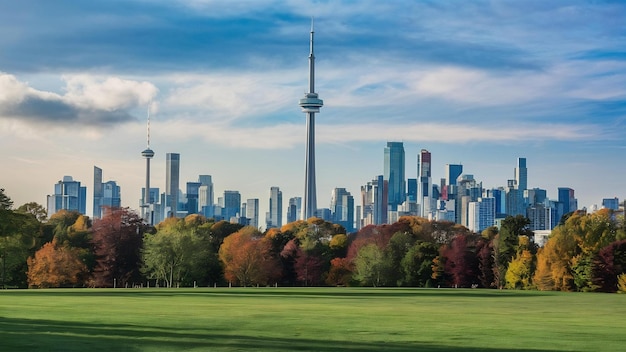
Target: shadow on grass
{"type": "Point", "coordinates": [49, 335]}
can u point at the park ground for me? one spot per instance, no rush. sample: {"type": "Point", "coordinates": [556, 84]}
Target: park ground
{"type": "Point", "coordinates": [310, 319]}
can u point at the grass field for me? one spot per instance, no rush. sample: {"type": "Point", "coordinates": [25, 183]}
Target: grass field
{"type": "Point", "coordinates": [314, 319]}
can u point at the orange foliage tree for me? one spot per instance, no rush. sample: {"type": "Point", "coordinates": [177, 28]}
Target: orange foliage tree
{"type": "Point", "coordinates": [55, 266]}
{"type": "Point", "coordinates": [247, 259]}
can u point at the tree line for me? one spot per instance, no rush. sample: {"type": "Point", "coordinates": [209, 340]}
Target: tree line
{"type": "Point", "coordinates": [586, 252]}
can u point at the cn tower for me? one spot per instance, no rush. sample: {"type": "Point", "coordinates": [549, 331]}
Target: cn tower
{"type": "Point", "coordinates": [310, 105]}
{"type": "Point", "coordinates": [146, 206]}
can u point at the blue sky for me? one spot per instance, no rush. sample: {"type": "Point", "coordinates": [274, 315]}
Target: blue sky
{"type": "Point", "coordinates": [479, 83]}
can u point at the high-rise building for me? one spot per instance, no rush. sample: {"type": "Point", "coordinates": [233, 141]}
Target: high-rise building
{"type": "Point", "coordinates": [514, 199]}
{"type": "Point", "coordinates": [424, 183]}
{"type": "Point", "coordinates": [205, 196]}
{"type": "Point", "coordinates": [97, 192]}
{"type": "Point", "coordinates": [68, 195]}
{"type": "Point", "coordinates": [481, 214]}
{"type": "Point", "coordinates": [467, 190]}
{"type": "Point", "coordinates": [394, 174]}
{"type": "Point", "coordinates": [342, 208]}
{"type": "Point", "coordinates": [535, 196]}
{"type": "Point", "coordinates": [521, 175]}
{"type": "Point", "coordinates": [252, 212]}
{"type": "Point", "coordinates": [294, 211]}
{"type": "Point", "coordinates": [411, 193]}
{"type": "Point", "coordinates": [453, 171]}
{"type": "Point", "coordinates": [610, 203]}
{"type": "Point", "coordinates": [172, 175]}
{"type": "Point", "coordinates": [232, 205]}
{"type": "Point", "coordinates": [374, 202]}
{"type": "Point", "coordinates": [193, 197]}
{"type": "Point", "coordinates": [310, 105]}
{"type": "Point", "coordinates": [275, 215]}
{"type": "Point", "coordinates": [568, 201]}
{"type": "Point", "coordinates": [540, 217]}
{"type": "Point", "coordinates": [111, 196]}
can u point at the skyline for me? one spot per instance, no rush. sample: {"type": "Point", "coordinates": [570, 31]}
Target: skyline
{"type": "Point", "coordinates": [479, 84]}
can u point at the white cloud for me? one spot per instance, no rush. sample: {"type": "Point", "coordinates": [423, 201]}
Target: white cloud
{"type": "Point", "coordinates": [89, 100]}
{"type": "Point", "coordinates": [110, 93]}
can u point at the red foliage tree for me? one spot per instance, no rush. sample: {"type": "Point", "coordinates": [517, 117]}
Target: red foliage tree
{"type": "Point", "coordinates": [484, 254]}
{"type": "Point", "coordinates": [117, 241]}
{"type": "Point", "coordinates": [460, 261]}
{"type": "Point", "coordinates": [340, 273]}
{"type": "Point", "coordinates": [608, 265]}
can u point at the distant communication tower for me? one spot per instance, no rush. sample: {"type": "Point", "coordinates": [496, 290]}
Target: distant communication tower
{"type": "Point", "coordinates": [146, 207]}
{"type": "Point", "coordinates": [310, 105]}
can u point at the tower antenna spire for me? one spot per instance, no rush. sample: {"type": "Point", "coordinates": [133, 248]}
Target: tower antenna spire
{"type": "Point", "coordinates": [149, 105]}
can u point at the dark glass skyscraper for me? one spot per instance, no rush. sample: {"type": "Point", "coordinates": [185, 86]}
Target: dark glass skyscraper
{"type": "Point", "coordinates": [172, 176]}
{"type": "Point", "coordinates": [394, 174]}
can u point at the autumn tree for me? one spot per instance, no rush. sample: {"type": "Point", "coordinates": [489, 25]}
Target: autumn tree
{"type": "Point", "coordinates": [246, 259]}
{"type": "Point", "coordinates": [55, 266]}
{"type": "Point", "coordinates": [506, 243]}
{"type": "Point", "coordinates": [461, 263]}
{"type": "Point", "coordinates": [554, 270]}
{"type": "Point", "coordinates": [485, 256]}
{"type": "Point", "coordinates": [340, 273]}
{"type": "Point", "coordinates": [521, 268]}
{"type": "Point", "coordinates": [608, 265]}
{"type": "Point", "coordinates": [117, 241]}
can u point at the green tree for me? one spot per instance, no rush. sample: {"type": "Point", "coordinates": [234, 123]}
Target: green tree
{"type": "Point", "coordinates": [417, 264]}
{"type": "Point", "coordinates": [20, 237]}
{"type": "Point", "coordinates": [370, 266]}
{"type": "Point", "coordinates": [35, 209]}
{"type": "Point", "coordinates": [176, 253]}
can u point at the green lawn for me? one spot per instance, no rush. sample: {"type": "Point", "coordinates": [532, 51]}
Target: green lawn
{"type": "Point", "coordinates": [316, 319]}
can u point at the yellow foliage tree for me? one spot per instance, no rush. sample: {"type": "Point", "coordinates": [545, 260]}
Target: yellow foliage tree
{"type": "Point", "coordinates": [554, 270]}
{"type": "Point", "coordinates": [520, 270]}
{"type": "Point", "coordinates": [621, 283]}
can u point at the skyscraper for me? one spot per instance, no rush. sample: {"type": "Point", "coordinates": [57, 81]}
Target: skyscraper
{"type": "Point", "coordinates": [147, 204]}
{"type": "Point", "coordinates": [310, 105]}
{"type": "Point", "coordinates": [424, 183]}
{"type": "Point", "coordinates": [68, 195]}
{"type": "Point", "coordinates": [521, 175]}
{"type": "Point", "coordinates": [172, 174]}
{"type": "Point", "coordinates": [111, 195]}
{"type": "Point", "coordinates": [232, 205]}
{"type": "Point", "coordinates": [275, 215]}
{"type": "Point", "coordinates": [453, 171]}
{"type": "Point", "coordinates": [295, 209]}
{"type": "Point", "coordinates": [252, 212]}
{"type": "Point", "coordinates": [97, 192]}
{"type": "Point", "coordinates": [394, 174]}
{"type": "Point", "coordinates": [342, 208]}
{"type": "Point", "coordinates": [193, 195]}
